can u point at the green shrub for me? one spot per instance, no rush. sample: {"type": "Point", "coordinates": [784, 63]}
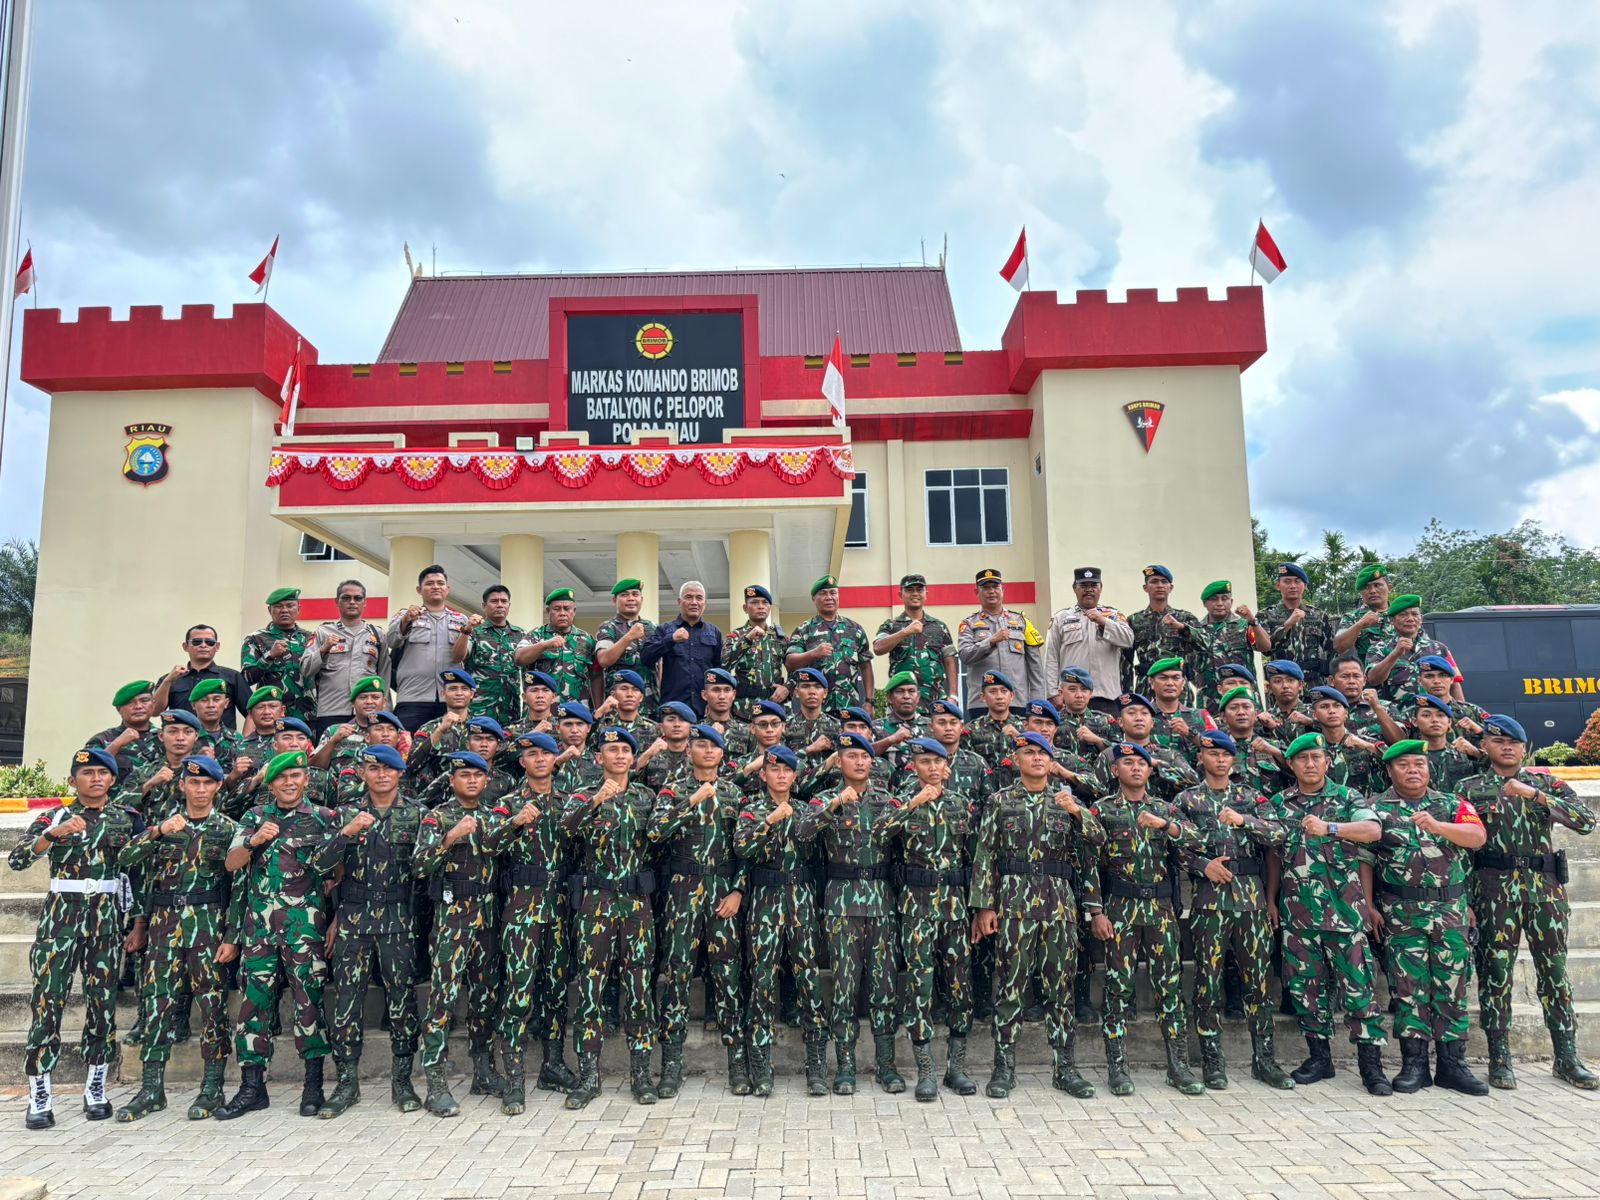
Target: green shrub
{"type": "Point", "coordinates": [1556, 754]}
{"type": "Point", "coordinates": [31, 781]}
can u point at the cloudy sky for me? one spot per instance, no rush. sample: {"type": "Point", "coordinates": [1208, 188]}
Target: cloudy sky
{"type": "Point", "coordinates": [1431, 171]}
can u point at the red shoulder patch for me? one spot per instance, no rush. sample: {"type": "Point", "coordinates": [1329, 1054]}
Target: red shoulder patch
{"type": "Point", "coordinates": [896, 802]}
{"type": "Point", "coordinates": [1466, 814]}
{"type": "Point", "coordinates": [502, 810]}
{"type": "Point", "coordinates": [747, 816]}
{"type": "Point", "coordinates": [430, 819]}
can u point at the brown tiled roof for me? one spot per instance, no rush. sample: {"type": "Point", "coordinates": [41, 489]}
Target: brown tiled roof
{"type": "Point", "coordinates": [877, 310]}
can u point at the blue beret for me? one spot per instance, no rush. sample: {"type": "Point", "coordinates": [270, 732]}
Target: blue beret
{"type": "Point", "coordinates": [388, 718]}
{"type": "Point", "coordinates": [575, 710]}
{"type": "Point", "coordinates": [784, 755]}
{"type": "Point", "coordinates": [1283, 666]}
{"type": "Point", "coordinates": [677, 708]}
{"type": "Point", "coordinates": [486, 725]}
{"type": "Point", "coordinates": [1034, 738]}
{"type": "Point", "coordinates": [1442, 705]}
{"type": "Point", "coordinates": [1328, 693]}
{"type": "Point", "coordinates": [1436, 661]}
{"type": "Point", "coordinates": [466, 758]}
{"type": "Point", "coordinates": [1043, 708]}
{"type": "Point", "coordinates": [998, 679]}
{"type": "Point", "coordinates": [949, 707]}
{"type": "Point", "coordinates": [1218, 739]}
{"type": "Point", "coordinates": [535, 741]}
{"type": "Point", "coordinates": [1130, 699]}
{"type": "Point", "coordinates": [1504, 726]}
{"type": "Point", "coordinates": [627, 676]}
{"type": "Point", "coordinates": [1077, 674]}
{"type": "Point", "coordinates": [457, 675]}
{"type": "Point", "coordinates": [542, 679]}
{"type": "Point", "coordinates": [856, 741]}
{"type": "Point", "coordinates": [708, 733]}
{"type": "Point", "coordinates": [718, 675]}
{"type": "Point", "coordinates": [184, 717]}
{"type": "Point", "coordinates": [1236, 671]}
{"type": "Point", "coordinates": [1128, 750]}
{"type": "Point", "coordinates": [1295, 569]}
{"type": "Point", "coordinates": [387, 755]}
{"type": "Point", "coordinates": [856, 713]}
{"type": "Point", "coordinates": [199, 764]}
{"type": "Point", "coordinates": [293, 723]}
{"type": "Point", "coordinates": [96, 756]}
{"type": "Point", "coordinates": [926, 745]}
{"type": "Point", "coordinates": [756, 592]}
{"type": "Point", "coordinates": [1155, 569]}
{"type": "Point", "coordinates": [771, 708]}
{"type": "Point", "coordinates": [615, 735]}
{"type": "Point", "coordinates": [813, 674]}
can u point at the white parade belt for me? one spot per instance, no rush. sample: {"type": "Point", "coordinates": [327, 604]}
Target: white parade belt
{"type": "Point", "coordinates": [86, 886]}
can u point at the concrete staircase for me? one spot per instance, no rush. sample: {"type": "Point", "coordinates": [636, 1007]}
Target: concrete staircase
{"type": "Point", "coordinates": [21, 894]}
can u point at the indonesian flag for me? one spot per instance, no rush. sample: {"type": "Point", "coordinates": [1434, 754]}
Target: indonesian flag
{"type": "Point", "coordinates": [25, 276]}
{"type": "Point", "coordinates": [1265, 256]}
{"type": "Point", "coordinates": [833, 380]}
{"type": "Point", "coordinates": [290, 393]}
{"type": "Point", "coordinates": [1015, 272]}
{"type": "Point", "coordinates": [263, 271]}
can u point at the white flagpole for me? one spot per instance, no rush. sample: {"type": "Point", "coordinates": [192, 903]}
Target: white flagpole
{"type": "Point", "coordinates": [1256, 241]}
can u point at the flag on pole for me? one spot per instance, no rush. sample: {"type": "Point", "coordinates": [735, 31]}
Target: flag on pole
{"type": "Point", "coordinates": [1015, 272]}
{"type": "Point", "coordinates": [290, 392]}
{"type": "Point", "coordinates": [1265, 257]}
{"type": "Point", "coordinates": [263, 272]}
{"type": "Point", "coordinates": [25, 276]}
{"type": "Point", "coordinates": [833, 380]}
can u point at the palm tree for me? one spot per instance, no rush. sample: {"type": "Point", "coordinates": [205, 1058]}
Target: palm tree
{"type": "Point", "coordinates": [19, 573]}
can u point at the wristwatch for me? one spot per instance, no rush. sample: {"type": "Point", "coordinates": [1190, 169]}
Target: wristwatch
{"type": "Point", "coordinates": [1333, 829]}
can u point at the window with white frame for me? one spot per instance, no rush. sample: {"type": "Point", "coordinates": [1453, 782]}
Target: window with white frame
{"type": "Point", "coordinates": [969, 506]}
{"type": "Point", "coordinates": [855, 537]}
{"type": "Point", "coordinates": [313, 550]}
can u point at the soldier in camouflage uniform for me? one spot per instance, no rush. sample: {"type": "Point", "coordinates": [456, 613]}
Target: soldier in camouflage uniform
{"type": "Point", "coordinates": [264, 708]}
{"type": "Point", "coordinates": [1081, 727]}
{"type": "Point", "coordinates": [535, 858]}
{"type": "Point", "coordinates": [991, 734]}
{"type": "Point", "coordinates": [782, 921]}
{"type": "Point", "coordinates": [614, 923]}
{"type": "Point", "coordinates": [1424, 858]}
{"type": "Point", "coordinates": [1392, 661]}
{"type": "Point", "coordinates": [1068, 766]}
{"type": "Point", "coordinates": [1232, 635]}
{"type": "Point", "coordinates": [858, 915]}
{"type": "Point", "coordinates": [618, 640]}
{"type": "Point", "coordinates": [1177, 725]}
{"type": "Point", "coordinates": [668, 755]}
{"type": "Point", "coordinates": [768, 720]}
{"type": "Point", "coordinates": [919, 643]}
{"type": "Point", "coordinates": [293, 736]}
{"type": "Point", "coordinates": [717, 696]}
{"type": "Point", "coordinates": [1352, 761]}
{"type": "Point", "coordinates": [151, 789]}
{"type": "Point", "coordinates": [212, 702]}
{"type": "Point", "coordinates": [1135, 907]}
{"type": "Point", "coordinates": [576, 767]}
{"type": "Point", "coordinates": [1258, 762]}
{"type": "Point", "coordinates": [1368, 718]}
{"type": "Point", "coordinates": [80, 930]}
{"type": "Point", "coordinates": [132, 740]}
{"type": "Point", "coordinates": [1448, 762]}
{"type": "Point", "coordinates": [904, 717]}
{"type": "Point", "coordinates": [1325, 914]}
{"type": "Point", "coordinates": [1163, 632]}
{"type": "Point", "coordinates": [1228, 910]}
{"type": "Point", "coordinates": [1136, 717]}
{"type": "Point", "coordinates": [278, 899]}
{"type": "Point", "coordinates": [441, 737]}
{"type": "Point", "coordinates": [184, 906]}
{"type": "Point", "coordinates": [1024, 892]}
{"type": "Point", "coordinates": [834, 645]}
{"type": "Point", "coordinates": [487, 648]}
{"type": "Point", "coordinates": [754, 652]}
{"type": "Point", "coordinates": [1518, 889]}
{"type": "Point", "coordinates": [1369, 619]}
{"type": "Point", "coordinates": [455, 857]}
{"type": "Point", "coordinates": [694, 821]}
{"type": "Point", "coordinates": [811, 733]}
{"type": "Point", "coordinates": [934, 828]}
{"type": "Point", "coordinates": [560, 648]}
{"type": "Point", "coordinates": [271, 656]}
{"type": "Point", "coordinates": [484, 738]}
{"type": "Point", "coordinates": [1300, 632]}
{"type": "Point", "coordinates": [1436, 676]}
{"type": "Point", "coordinates": [1284, 716]}
{"type": "Point", "coordinates": [373, 932]}
{"type": "Point", "coordinates": [540, 699]}
{"type": "Point", "coordinates": [624, 708]}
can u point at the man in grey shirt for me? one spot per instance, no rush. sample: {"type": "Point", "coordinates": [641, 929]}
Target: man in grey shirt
{"type": "Point", "coordinates": [1089, 635]}
{"type": "Point", "coordinates": [421, 643]}
{"type": "Point", "coordinates": [341, 652]}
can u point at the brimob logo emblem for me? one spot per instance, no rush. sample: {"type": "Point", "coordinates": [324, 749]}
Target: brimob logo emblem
{"type": "Point", "coordinates": [653, 340]}
{"type": "Point", "coordinates": [146, 460]}
{"type": "Point", "coordinates": [1145, 417]}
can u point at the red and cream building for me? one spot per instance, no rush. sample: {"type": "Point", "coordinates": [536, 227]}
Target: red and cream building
{"type": "Point", "coordinates": [565, 430]}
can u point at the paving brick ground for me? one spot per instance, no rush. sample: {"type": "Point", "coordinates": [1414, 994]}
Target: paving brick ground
{"type": "Point", "coordinates": [1324, 1141]}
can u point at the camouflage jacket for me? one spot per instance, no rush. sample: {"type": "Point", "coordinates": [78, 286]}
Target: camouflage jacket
{"type": "Point", "coordinates": [171, 865]}
{"type": "Point", "coordinates": [1320, 885]}
{"type": "Point", "coordinates": [1034, 828]}
{"type": "Point", "coordinates": [1153, 641]}
{"type": "Point", "coordinates": [1163, 734]}
{"type": "Point", "coordinates": [1170, 772]}
{"type": "Point", "coordinates": [540, 846]}
{"type": "Point", "coordinates": [936, 836]}
{"type": "Point", "coordinates": [461, 878]}
{"type": "Point", "coordinates": [1365, 639]}
{"type": "Point", "coordinates": [1228, 641]}
{"type": "Point", "coordinates": [1403, 674]}
{"type": "Point", "coordinates": [1408, 857]}
{"type": "Point", "coordinates": [614, 837]}
{"type": "Point", "coordinates": [923, 654]}
{"type": "Point", "coordinates": [1140, 857]}
{"type": "Point", "coordinates": [568, 666]}
{"type": "Point", "coordinates": [700, 835]}
{"type": "Point", "coordinates": [644, 730]}
{"type": "Point", "coordinates": [1245, 847]}
{"type": "Point", "coordinates": [492, 664]}
{"type": "Point", "coordinates": [375, 862]}
{"type": "Point", "coordinates": [851, 651]}
{"type": "Point", "coordinates": [853, 837]}
{"type": "Point", "coordinates": [156, 803]}
{"type": "Point", "coordinates": [501, 784]}
{"type": "Point", "coordinates": [1091, 719]}
{"type": "Point", "coordinates": [92, 854]}
{"type": "Point", "coordinates": [1448, 766]}
{"type": "Point", "coordinates": [662, 767]}
{"type": "Point", "coordinates": [736, 733]}
{"type": "Point", "coordinates": [756, 662]}
{"type": "Point", "coordinates": [427, 761]}
{"type": "Point", "coordinates": [1259, 772]}
{"type": "Point", "coordinates": [783, 849]}
{"type": "Point", "coordinates": [583, 774]}
{"type": "Point", "coordinates": [1355, 768]}
{"type": "Point", "coordinates": [257, 670]}
{"type": "Point", "coordinates": [1522, 827]}
{"type": "Point", "coordinates": [1309, 644]}
{"type": "Point", "coordinates": [322, 788]}
{"type": "Point", "coordinates": [281, 876]}
{"type": "Point", "coordinates": [611, 632]}
{"type": "Point", "coordinates": [801, 731]}
{"type": "Point", "coordinates": [988, 739]}
{"type": "Point", "coordinates": [146, 748]}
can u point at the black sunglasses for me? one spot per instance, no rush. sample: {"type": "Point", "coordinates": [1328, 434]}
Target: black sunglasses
{"type": "Point", "coordinates": [202, 641]}
{"type": "Point", "coordinates": [350, 596]}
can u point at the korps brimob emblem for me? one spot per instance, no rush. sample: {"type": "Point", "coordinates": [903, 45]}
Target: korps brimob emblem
{"type": "Point", "coordinates": [653, 341]}
{"type": "Point", "coordinates": [1145, 417]}
{"type": "Point", "coordinates": [146, 460]}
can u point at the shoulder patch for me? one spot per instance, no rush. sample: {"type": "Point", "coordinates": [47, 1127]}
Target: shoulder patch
{"type": "Point", "coordinates": [1466, 814]}
{"type": "Point", "coordinates": [747, 816]}
{"type": "Point", "coordinates": [501, 809]}
{"type": "Point", "coordinates": [430, 819]}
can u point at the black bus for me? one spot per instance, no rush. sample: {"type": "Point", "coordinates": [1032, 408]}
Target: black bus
{"type": "Point", "coordinates": [1539, 663]}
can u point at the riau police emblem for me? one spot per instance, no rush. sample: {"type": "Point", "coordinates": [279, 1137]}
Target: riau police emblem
{"type": "Point", "coordinates": [146, 460]}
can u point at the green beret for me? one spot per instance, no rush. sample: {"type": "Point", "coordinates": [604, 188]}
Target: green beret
{"type": "Point", "coordinates": [1370, 572]}
{"type": "Point", "coordinates": [279, 763]}
{"type": "Point", "coordinates": [130, 692]}
{"type": "Point", "coordinates": [899, 679]}
{"type": "Point", "coordinates": [1234, 694]}
{"type": "Point", "coordinates": [827, 581]}
{"type": "Point", "coordinates": [559, 594]}
{"type": "Point", "coordinates": [279, 595]}
{"type": "Point", "coordinates": [208, 687]}
{"type": "Point", "coordinates": [1215, 588]}
{"type": "Point", "coordinates": [625, 585]}
{"type": "Point", "coordinates": [1401, 749]}
{"type": "Point", "coordinates": [1400, 603]}
{"type": "Point", "coordinates": [1174, 663]}
{"type": "Point", "coordinates": [1306, 741]}
{"type": "Point", "coordinates": [367, 683]}
{"type": "Point", "coordinates": [259, 696]}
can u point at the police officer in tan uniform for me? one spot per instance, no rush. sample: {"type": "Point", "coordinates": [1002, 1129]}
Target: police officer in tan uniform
{"type": "Point", "coordinates": [997, 638]}
{"type": "Point", "coordinates": [1089, 635]}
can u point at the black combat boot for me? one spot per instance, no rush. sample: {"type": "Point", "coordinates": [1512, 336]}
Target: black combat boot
{"type": "Point", "coordinates": [844, 1057]}
{"type": "Point", "coordinates": [210, 1097]}
{"type": "Point", "coordinates": [1213, 1066]}
{"type": "Point", "coordinates": [816, 1065]}
{"type": "Point", "coordinates": [1179, 1074]}
{"type": "Point", "coordinates": [1500, 1073]}
{"type": "Point", "coordinates": [1413, 1076]}
{"type": "Point", "coordinates": [955, 1068]}
{"type": "Point", "coordinates": [311, 1098]}
{"type": "Point", "coordinates": [513, 1100]}
{"type": "Point", "coordinates": [671, 1070]}
{"type": "Point", "coordinates": [888, 1077]}
{"type": "Point", "coordinates": [639, 1081]}
{"type": "Point", "coordinates": [738, 1070]}
{"type": "Point", "coordinates": [927, 1085]}
{"type": "Point", "coordinates": [1264, 1064]}
{"type": "Point", "coordinates": [588, 1081]}
{"type": "Point", "coordinates": [1569, 1067]}
{"type": "Point", "coordinates": [1066, 1077]}
{"type": "Point", "coordinates": [486, 1080]}
{"type": "Point", "coordinates": [554, 1074]}
{"type": "Point", "coordinates": [1003, 1077]}
{"type": "Point", "coordinates": [346, 1092]}
{"type": "Point", "coordinates": [439, 1102]}
{"type": "Point", "coordinates": [1453, 1072]}
{"type": "Point", "coordinates": [760, 1059]}
{"type": "Point", "coordinates": [152, 1094]}
{"type": "Point", "coordinates": [1369, 1062]}
{"type": "Point", "coordinates": [1117, 1068]}
{"type": "Point", "coordinates": [401, 1094]}
{"type": "Point", "coordinates": [1318, 1064]}
{"type": "Point", "coordinates": [252, 1093]}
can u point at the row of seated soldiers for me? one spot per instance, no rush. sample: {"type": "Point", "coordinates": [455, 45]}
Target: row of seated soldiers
{"type": "Point", "coordinates": [612, 846]}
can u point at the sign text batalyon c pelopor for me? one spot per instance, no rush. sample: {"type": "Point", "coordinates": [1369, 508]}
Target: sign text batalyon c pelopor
{"type": "Point", "coordinates": [677, 371]}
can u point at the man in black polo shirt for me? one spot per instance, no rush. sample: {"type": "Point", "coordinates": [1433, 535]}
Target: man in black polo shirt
{"type": "Point", "coordinates": [200, 644]}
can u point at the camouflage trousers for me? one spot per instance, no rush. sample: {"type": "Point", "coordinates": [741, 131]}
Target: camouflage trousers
{"type": "Point", "coordinates": [265, 969]}
{"type": "Point", "coordinates": [1048, 950]}
{"type": "Point", "coordinates": [464, 957]}
{"type": "Point", "coordinates": [689, 922]}
{"type": "Point", "coordinates": [937, 950]}
{"type": "Point", "coordinates": [59, 953]}
{"type": "Point", "coordinates": [355, 957]}
{"type": "Point", "coordinates": [613, 933]}
{"type": "Point", "coordinates": [535, 998]}
{"type": "Point", "coordinates": [175, 978]}
{"type": "Point", "coordinates": [1159, 942]}
{"type": "Point", "coordinates": [782, 924]}
{"type": "Point", "coordinates": [1213, 933]}
{"type": "Point", "coordinates": [1502, 924]}
{"type": "Point", "coordinates": [1428, 959]}
{"type": "Point", "coordinates": [862, 951]}
{"type": "Point", "coordinates": [1316, 962]}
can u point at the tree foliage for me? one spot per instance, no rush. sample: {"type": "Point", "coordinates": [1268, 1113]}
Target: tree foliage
{"type": "Point", "coordinates": [19, 573]}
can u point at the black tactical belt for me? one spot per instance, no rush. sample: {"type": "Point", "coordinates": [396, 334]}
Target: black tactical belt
{"type": "Point", "coordinates": [187, 899]}
{"type": "Point", "coordinates": [531, 875]}
{"type": "Point", "coordinates": [1399, 891]}
{"type": "Point", "coordinates": [772, 877]}
{"type": "Point", "coordinates": [642, 884]}
{"type": "Point", "coordinates": [352, 892]}
{"type": "Point", "coordinates": [923, 877]}
{"type": "Point", "coordinates": [678, 865]}
{"type": "Point", "coordinates": [1057, 867]}
{"type": "Point", "coordinates": [464, 889]}
{"type": "Point", "coordinates": [856, 872]}
{"type": "Point", "coordinates": [1493, 860]}
{"type": "Point", "coordinates": [1140, 891]}
{"type": "Point", "coordinates": [1243, 866]}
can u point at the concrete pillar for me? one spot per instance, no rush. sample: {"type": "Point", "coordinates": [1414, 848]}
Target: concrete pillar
{"type": "Point", "coordinates": [749, 561]}
{"type": "Point", "coordinates": [522, 570]}
{"type": "Point", "coordinates": [407, 557]}
{"type": "Point", "coordinates": [639, 557]}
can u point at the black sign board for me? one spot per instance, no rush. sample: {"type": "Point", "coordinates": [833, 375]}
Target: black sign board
{"type": "Point", "coordinates": [678, 371]}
